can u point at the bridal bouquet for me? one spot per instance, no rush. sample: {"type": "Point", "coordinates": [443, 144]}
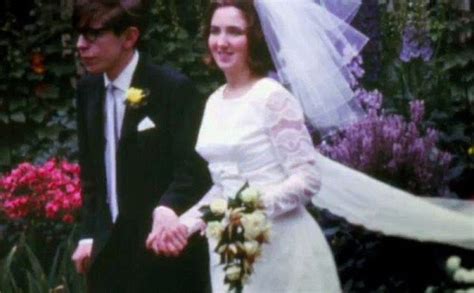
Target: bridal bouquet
{"type": "Point", "coordinates": [240, 227]}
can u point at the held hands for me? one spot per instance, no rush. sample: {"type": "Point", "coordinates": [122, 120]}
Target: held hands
{"type": "Point", "coordinates": [168, 236]}
{"type": "Point", "coordinates": [81, 257]}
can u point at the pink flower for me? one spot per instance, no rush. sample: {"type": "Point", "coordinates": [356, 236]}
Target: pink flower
{"type": "Point", "coordinates": [50, 191]}
{"type": "Point", "coordinates": [68, 219]}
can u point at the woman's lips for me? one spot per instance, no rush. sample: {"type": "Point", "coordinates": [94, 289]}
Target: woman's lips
{"type": "Point", "coordinates": [224, 56]}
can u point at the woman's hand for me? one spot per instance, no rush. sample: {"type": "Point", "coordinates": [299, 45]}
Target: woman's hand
{"type": "Point", "coordinates": [168, 236]}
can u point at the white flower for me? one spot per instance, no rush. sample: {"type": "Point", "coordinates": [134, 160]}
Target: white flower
{"type": "Point", "coordinates": [463, 275]}
{"type": "Point", "coordinates": [469, 276]}
{"type": "Point", "coordinates": [453, 263]}
{"type": "Point", "coordinates": [430, 289]}
{"type": "Point", "coordinates": [233, 273]}
{"type": "Point", "coordinates": [219, 206]}
{"type": "Point", "coordinates": [460, 275]}
{"type": "Point", "coordinates": [254, 224]}
{"type": "Point", "coordinates": [232, 248]}
{"type": "Point", "coordinates": [252, 248]}
{"type": "Point", "coordinates": [250, 195]}
{"type": "Point", "coordinates": [214, 229]}
{"type": "Point", "coordinates": [266, 233]}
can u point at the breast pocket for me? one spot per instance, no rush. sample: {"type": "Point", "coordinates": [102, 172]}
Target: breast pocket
{"type": "Point", "coordinates": [148, 140]}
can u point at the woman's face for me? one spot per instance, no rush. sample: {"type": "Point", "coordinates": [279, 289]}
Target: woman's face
{"type": "Point", "coordinates": [228, 41]}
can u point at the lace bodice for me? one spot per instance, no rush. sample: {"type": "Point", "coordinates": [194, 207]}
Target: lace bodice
{"type": "Point", "coordinates": [259, 138]}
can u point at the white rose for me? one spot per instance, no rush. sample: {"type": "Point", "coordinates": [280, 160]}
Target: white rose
{"type": "Point", "coordinates": [233, 273]}
{"type": "Point", "coordinates": [460, 275]}
{"type": "Point", "coordinates": [250, 195]}
{"type": "Point", "coordinates": [453, 263]}
{"type": "Point", "coordinates": [252, 248]}
{"type": "Point", "coordinates": [214, 229]}
{"type": "Point", "coordinates": [430, 289]}
{"type": "Point", "coordinates": [266, 233]}
{"type": "Point", "coordinates": [469, 276]}
{"type": "Point", "coordinates": [219, 206]}
{"type": "Point", "coordinates": [254, 224]}
{"type": "Point", "coordinates": [232, 248]}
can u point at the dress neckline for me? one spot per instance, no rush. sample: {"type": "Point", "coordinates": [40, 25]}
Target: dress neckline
{"type": "Point", "coordinates": [241, 97]}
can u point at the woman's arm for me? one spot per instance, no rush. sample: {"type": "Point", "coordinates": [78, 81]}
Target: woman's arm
{"type": "Point", "coordinates": [293, 146]}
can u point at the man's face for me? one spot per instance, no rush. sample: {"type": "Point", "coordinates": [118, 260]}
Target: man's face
{"type": "Point", "coordinates": [101, 50]}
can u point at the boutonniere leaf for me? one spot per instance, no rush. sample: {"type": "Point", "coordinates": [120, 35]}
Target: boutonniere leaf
{"type": "Point", "coordinates": [136, 97]}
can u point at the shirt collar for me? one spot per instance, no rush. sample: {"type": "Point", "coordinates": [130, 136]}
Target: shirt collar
{"type": "Point", "coordinates": [124, 79]}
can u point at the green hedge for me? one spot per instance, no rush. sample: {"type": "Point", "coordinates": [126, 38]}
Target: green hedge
{"type": "Point", "coordinates": [40, 70]}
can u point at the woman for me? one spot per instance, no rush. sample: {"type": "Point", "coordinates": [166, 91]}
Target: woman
{"type": "Point", "coordinates": [253, 131]}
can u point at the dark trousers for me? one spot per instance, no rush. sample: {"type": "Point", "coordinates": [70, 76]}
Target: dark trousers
{"type": "Point", "coordinates": [124, 268]}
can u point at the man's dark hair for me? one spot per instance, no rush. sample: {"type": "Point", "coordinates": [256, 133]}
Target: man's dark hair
{"type": "Point", "coordinates": [116, 15]}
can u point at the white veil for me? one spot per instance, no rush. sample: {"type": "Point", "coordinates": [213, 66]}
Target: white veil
{"type": "Point", "coordinates": [311, 43]}
{"type": "Point", "coordinates": [311, 47]}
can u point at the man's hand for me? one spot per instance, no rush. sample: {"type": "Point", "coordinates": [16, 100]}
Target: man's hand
{"type": "Point", "coordinates": [168, 236]}
{"type": "Point", "coordinates": [82, 256]}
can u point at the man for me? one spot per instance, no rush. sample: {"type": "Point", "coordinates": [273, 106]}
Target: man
{"type": "Point", "coordinates": [138, 165]}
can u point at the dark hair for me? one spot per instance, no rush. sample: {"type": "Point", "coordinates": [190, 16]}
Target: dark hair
{"type": "Point", "coordinates": [117, 15]}
{"type": "Point", "coordinates": [260, 61]}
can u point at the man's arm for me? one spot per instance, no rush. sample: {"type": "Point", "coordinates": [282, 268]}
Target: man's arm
{"type": "Point", "coordinates": [190, 176]}
{"type": "Point", "coordinates": [82, 254]}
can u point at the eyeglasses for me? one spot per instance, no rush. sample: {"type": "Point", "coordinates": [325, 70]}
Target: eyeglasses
{"type": "Point", "coordinates": [92, 34]}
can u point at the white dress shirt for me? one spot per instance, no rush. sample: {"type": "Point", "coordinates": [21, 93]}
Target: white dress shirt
{"type": "Point", "coordinates": [121, 84]}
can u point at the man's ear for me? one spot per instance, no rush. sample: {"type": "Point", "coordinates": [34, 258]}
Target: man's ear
{"type": "Point", "coordinates": [131, 36]}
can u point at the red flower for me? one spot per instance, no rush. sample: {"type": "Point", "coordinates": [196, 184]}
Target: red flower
{"type": "Point", "coordinates": [37, 63]}
{"type": "Point", "coordinates": [48, 192]}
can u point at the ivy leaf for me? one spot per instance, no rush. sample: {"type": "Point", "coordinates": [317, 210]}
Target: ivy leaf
{"type": "Point", "coordinates": [458, 59]}
{"type": "Point", "coordinates": [4, 118]}
{"type": "Point", "coordinates": [18, 117]}
{"type": "Point", "coordinates": [50, 132]}
{"type": "Point", "coordinates": [5, 158]}
{"type": "Point", "coordinates": [62, 69]}
{"type": "Point", "coordinates": [17, 104]}
{"type": "Point", "coordinates": [470, 94]}
{"type": "Point", "coordinates": [18, 73]}
{"type": "Point", "coordinates": [50, 92]}
{"type": "Point", "coordinates": [38, 115]}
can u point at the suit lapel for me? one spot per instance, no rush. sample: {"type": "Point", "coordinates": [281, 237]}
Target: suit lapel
{"type": "Point", "coordinates": [96, 117]}
{"type": "Point", "coordinates": [132, 115]}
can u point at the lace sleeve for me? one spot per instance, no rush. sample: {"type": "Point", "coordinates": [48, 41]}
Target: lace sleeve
{"type": "Point", "coordinates": [294, 149]}
{"type": "Point", "coordinates": [192, 217]}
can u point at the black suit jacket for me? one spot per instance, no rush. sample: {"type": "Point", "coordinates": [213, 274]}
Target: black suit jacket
{"type": "Point", "coordinates": [155, 167]}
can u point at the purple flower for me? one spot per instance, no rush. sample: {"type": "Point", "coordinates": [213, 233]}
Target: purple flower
{"type": "Point", "coordinates": [415, 44]}
{"type": "Point", "coordinates": [392, 148]}
{"type": "Point", "coordinates": [417, 111]}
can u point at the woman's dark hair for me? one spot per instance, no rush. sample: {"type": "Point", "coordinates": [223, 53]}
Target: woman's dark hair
{"type": "Point", "coordinates": [260, 61]}
{"type": "Point", "coordinates": [116, 15]}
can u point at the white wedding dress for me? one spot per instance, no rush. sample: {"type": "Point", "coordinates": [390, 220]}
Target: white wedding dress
{"type": "Point", "coordinates": [261, 138]}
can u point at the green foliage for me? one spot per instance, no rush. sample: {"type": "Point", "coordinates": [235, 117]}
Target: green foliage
{"type": "Point", "coordinates": [23, 271]}
{"type": "Point", "coordinates": [39, 73]}
{"type": "Point", "coordinates": [445, 82]}
{"type": "Point", "coordinates": [36, 105]}
{"type": "Point", "coordinates": [175, 38]}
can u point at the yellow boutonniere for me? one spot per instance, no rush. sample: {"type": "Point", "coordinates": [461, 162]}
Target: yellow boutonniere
{"type": "Point", "coordinates": [136, 97]}
{"type": "Point", "coordinates": [470, 151]}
